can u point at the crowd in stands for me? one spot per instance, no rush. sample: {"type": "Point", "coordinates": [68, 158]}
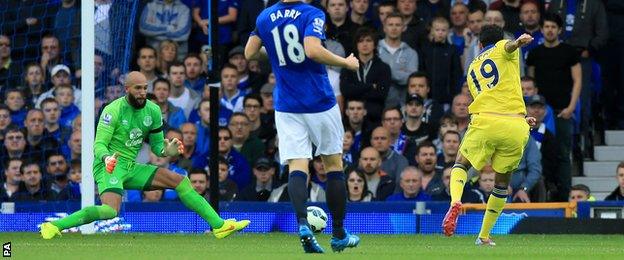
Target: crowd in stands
{"type": "Point", "coordinates": [405, 110]}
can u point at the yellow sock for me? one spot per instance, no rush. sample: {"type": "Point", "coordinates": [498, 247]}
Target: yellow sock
{"type": "Point", "coordinates": [495, 205]}
{"type": "Point", "coordinates": [458, 180]}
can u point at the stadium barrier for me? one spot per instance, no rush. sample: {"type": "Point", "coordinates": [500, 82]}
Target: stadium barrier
{"type": "Point", "coordinates": [568, 207]}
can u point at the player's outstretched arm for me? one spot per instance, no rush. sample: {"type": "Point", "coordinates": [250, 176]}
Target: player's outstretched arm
{"type": "Point", "coordinates": [253, 47]}
{"type": "Point", "coordinates": [315, 51]}
{"type": "Point", "coordinates": [523, 40]}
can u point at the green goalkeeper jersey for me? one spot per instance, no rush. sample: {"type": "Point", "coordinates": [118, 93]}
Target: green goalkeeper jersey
{"type": "Point", "coordinates": [122, 129]}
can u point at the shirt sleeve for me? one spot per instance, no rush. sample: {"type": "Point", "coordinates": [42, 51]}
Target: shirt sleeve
{"type": "Point", "coordinates": [156, 136]}
{"type": "Point", "coordinates": [105, 129]}
{"type": "Point", "coordinates": [315, 25]}
{"type": "Point", "coordinates": [500, 47]}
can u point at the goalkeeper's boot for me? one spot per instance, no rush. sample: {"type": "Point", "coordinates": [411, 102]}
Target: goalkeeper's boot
{"type": "Point", "coordinates": [229, 227]}
{"type": "Point", "coordinates": [484, 242]}
{"type": "Point", "coordinates": [349, 240]}
{"type": "Point", "coordinates": [450, 220]}
{"type": "Point", "coordinates": [308, 241]}
{"type": "Point", "coordinates": [49, 231]}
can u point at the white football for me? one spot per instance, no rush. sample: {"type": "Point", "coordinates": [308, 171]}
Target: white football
{"type": "Point", "coordinates": [317, 218]}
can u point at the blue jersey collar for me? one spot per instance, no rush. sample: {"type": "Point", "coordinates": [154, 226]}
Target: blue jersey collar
{"type": "Point", "coordinates": [486, 48]}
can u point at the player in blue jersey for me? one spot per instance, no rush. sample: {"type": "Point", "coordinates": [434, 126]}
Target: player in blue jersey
{"type": "Point", "coordinates": [306, 112]}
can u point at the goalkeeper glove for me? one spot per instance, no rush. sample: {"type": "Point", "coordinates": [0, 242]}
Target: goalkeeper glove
{"type": "Point", "coordinates": [173, 147]}
{"type": "Point", "coordinates": [110, 162]}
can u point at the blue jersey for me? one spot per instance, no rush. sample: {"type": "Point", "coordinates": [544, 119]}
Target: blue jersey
{"type": "Point", "coordinates": [302, 85]}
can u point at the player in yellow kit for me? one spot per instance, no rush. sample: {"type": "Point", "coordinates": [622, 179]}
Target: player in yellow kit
{"type": "Point", "coordinates": [498, 129]}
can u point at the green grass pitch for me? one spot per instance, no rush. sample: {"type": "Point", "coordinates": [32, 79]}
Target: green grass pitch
{"type": "Point", "coordinates": [286, 246]}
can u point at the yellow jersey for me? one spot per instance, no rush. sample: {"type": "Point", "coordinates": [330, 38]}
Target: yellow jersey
{"type": "Point", "coordinates": [494, 81]}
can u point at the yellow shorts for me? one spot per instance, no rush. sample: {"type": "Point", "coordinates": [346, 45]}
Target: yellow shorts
{"type": "Point", "coordinates": [495, 139]}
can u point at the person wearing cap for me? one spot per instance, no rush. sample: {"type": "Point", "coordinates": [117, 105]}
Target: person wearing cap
{"type": "Point", "coordinates": [248, 81]}
{"type": "Point", "coordinates": [267, 112]}
{"type": "Point", "coordinates": [529, 89]}
{"type": "Point", "coordinates": [260, 190]}
{"type": "Point", "coordinates": [61, 75]}
{"type": "Point", "coordinates": [418, 83]}
{"type": "Point", "coordinates": [548, 145]}
{"type": "Point", "coordinates": [414, 128]}
{"type": "Point", "coordinates": [123, 126]}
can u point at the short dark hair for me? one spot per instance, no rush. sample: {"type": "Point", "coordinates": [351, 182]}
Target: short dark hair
{"type": "Point", "coordinates": [551, 17]}
{"type": "Point", "coordinates": [198, 171]}
{"type": "Point", "coordinates": [48, 100]}
{"type": "Point", "coordinates": [453, 132]}
{"type": "Point", "coordinates": [386, 3]}
{"type": "Point", "coordinates": [27, 163]}
{"type": "Point", "coordinates": [491, 34]}
{"type": "Point", "coordinates": [175, 64]}
{"type": "Point", "coordinates": [162, 80]}
{"type": "Point", "coordinates": [254, 96]}
{"type": "Point", "coordinates": [581, 187]}
{"type": "Point", "coordinates": [192, 55]}
{"type": "Point", "coordinates": [383, 114]}
{"type": "Point", "coordinates": [49, 155]}
{"type": "Point", "coordinates": [223, 128]}
{"type": "Point", "coordinates": [424, 144]}
{"type": "Point", "coordinates": [394, 15]}
{"type": "Point", "coordinates": [229, 66]}
{"type": "Point", "coordinates": [175, 130]}
{"type": "Point", "coordinates": [364, 32]}
{"type": "Point", "coordinates": [419, 74]}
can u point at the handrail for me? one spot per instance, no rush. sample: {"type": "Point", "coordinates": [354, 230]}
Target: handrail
{"type": "Point", "coordinates": [569, 207]}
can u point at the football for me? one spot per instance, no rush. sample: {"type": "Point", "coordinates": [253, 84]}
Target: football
{"type": "Point", "coordinates": [317, 218]}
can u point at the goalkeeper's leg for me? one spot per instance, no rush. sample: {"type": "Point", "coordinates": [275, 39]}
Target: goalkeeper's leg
{"type": "Point", "coordinates": [108, 210]}
{"type": "Point", "coordinates": [166, 179]}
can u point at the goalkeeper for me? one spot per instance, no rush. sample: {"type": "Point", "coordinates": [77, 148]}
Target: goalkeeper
{"type": "Point", "coordinates": [123, 126]}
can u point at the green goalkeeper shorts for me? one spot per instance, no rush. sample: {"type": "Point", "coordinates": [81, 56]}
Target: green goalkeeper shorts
{"type": "Point", "coordinates": [127, 175]}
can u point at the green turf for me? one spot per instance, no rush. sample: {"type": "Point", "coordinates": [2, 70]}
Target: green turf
{"type": "Point", "coordinates": [286, 246]}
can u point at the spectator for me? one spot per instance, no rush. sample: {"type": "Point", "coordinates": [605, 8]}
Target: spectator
{"type": "Point", "coordinates": [495, 17]}
{"type": "Point", "coordinates": [52, 115]}
{"type": "Point", "coordinates": [103, 24]}
{"type": "Point", "coordinates": [72, 149]}
{"type": "Point", "coordinates": [227, 188]}
{"type": "Point", "coordinates": [358, 13]}
{"type": "Point", "coordinates": [66, 27]}
{"type": "Point", "coordinates": [392, 163]}
{"type": "Point", "coordinates": [529, 90]}
{"type": "Point", "coordinates": [238, 167]}
{"type": "Point", "coordinates": [447, 123]}
{"type": "Point", "coordinates": [167, 54]}
{"type": "Point", "coordinates": [32, 187]}
{"type": "Point", "coordinates": [414, 129]}
{"type": "Point", "coordinates": [61, 75]}
{"type": "Point", "coordinates": [485, 185]}
{"type": "Point", "coordinates": [370, 83]}
{"type": "Point", "coordinates": [530, 18]}
{"type": "Point", "coordinates": [232, 98]}
{"type": "Point", "coordinates": [347, 143]}
{"type": "Point", "coordinates": [472, 49]}
{"type": "Point", "coordinates": [38, 145]}
{"type": "Point", "coordinates": [14, 99]}
{"type": "Point", "coordinates": [10, 70]}
{"type": "Point", "coordinates": [152, 196]}
{"type": "Point", "coordinates": [446, 180]}
{"type": "Point", "coordinates": [227, 12]}
{"type": "Point", "coordinates": [77, 123]}
{"type": "Point", "coordinates": [547, 143]}
{"type": "Point", "coordinates": [13, 179]}
{"type": "Point", "coordinates": [617, 194]}
{"type": "Point", "coordinates": [441, 60]}
{"type": "Point", "coordinates": [251, 107]}
{"type": "Point", "coordinates": [612, 68]}
{"type": "Point", "coordinates": [5, 120]}
{"type": "Point", "coordinates": [379, 183]}
{"type": "Point", "coordinates": [75, 172]}
{"type": "Point", "coordinates": [426, 162]}
{"type": "Point", "coordinates": [427, 10]}
{"type": "Point", "coordinates": [57, 173]}
{"type": "Point", "coordinates": [355, 117]}
{"type": "Point", "coordinates": [415, 28]}
{"type": "Point", "coordinates": [172, 115]}
{"type": "Point", "coordinates": [147, 62]}
{"type": "Point", "coordinates": [14, 145]}
{"type": "Point", "coordinates": [450, 146]}
{"type": "Point", "coordinates": [195, 78]}
{"type": "Point", "coordinates": [180, 95]}
{"type": "Point", "coordinates": [459, 110]}
{"type": "Point", "coordinates": [392, 120]}
{"type": "Point", "coordinates": [51, 54]}
{"type": "Point", "coordinates": [580, 192]}
{"type": "Point", "coordinates": [395, 51]}
{"type": "Point", "coordinates": [317, 171]}
{"type": "Point", "coordinates": [200, 181]}
{"type": "Point", "coordinates": [250, 147]}
{"type": "Point", "coordinates": [112, 92]}
{"type": "Point", "coordinates": [25, 21]}
{"type": "Point", "coordinates": [411, 187]}
{"type": "Point", "coordinates": [224, 114]}
{"type": "Point", "coordinates": [357, 188]}
{"type": "Point", "coordinates": [418, 84]}
{"type": "Point", "coordinates": [192, 151]}
{"type": "Point", "coordinates": [340, 27]}
{"type": "Point", "coordinates": [34, 85]}
{"type": "Point", "coordinates": [248, 81]}
{"type": "Point", "coordinates": [527, 175]}
{"type": "Point", "coordinates": [384, 9]}
{"type": "Point", "coordinates": [64, 95]}
{"type": "Point", "coordinates": [556, 69]}
{"type": "Point", "coordinates": [267, 112]}
{"type": "Point", "coordinates": [260, 190]}
{"type": "Point", "coordinates": [510, 9]}
{"type": "Point", "coordinates": [166, 20]}
{"type": "Point", "coordinates": [459, 24]}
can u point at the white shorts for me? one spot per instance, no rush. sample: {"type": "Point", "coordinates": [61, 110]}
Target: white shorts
{"type": "Point", "coordinates": [298, 131]}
